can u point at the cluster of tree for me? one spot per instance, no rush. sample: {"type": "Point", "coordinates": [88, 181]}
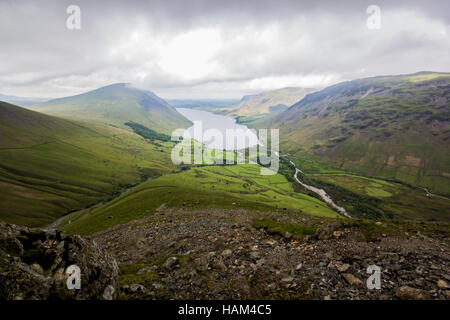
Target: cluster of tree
{"type": "Point", "coordinates": [147, 133]}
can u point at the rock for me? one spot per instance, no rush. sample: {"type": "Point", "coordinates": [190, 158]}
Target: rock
{"type": "Point", "coordinates": [288, 235]}
{"type": "Point", "coordinates": [272, 286]}
{"type": "Point", "coordinates": [337, 234]}
{"type": "Point", "coordinates": [260, 262]}
{"type": "Point", "coordinates": [299, 266]}
{"type": "Point", "coordinates": [171, 263]}
{"type": "Point", "coordinates": [39, 271]}
{"type": "Point", "coordinates": [408, 293]}
{"type": "Point", "coordinates": [420, 282]}
{"type": "Point", "coordinates": [137, 288]}
{"type": "Point", "coordinates": [156, 286]}
{"type": "Point", "coordinates": [146, 270]}
{"type": "Point", "coordinates": [108, 294]}
{"type": "Point", "coordinates": [59, 275]}
{"type": "Point", "coordinates": [325, 232]}
{"type": "Point", "coordinates": [447, 293]}
{"type": "Point", "coordinates": [342, 267]}
{"type": "Point", "coordinates": [420, 269]}
{"type": "Point", "coordinates": [287, 279]}
{"type": "Point", "coordinates": [226, 253]}
{"type": "Point", "coordinates": [351, 279]}
{"type": "Point", "coordinates": [327, 298]}
{"type": "Point", "coordinates": [36, 267]}
{"type": "Point", "coordinates": [254, 255]}
{"type": "Point", "coordinates": [442, 285]}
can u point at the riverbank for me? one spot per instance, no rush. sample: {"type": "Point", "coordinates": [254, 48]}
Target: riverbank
{"type": "Point", "coordinates": [320, 192]}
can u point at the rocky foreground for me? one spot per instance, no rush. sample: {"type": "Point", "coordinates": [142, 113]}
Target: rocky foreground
{"type": "Point", "coordinates": [231, 254]}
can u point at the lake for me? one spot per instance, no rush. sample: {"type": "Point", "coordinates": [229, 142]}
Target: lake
{"type": "Point", "coordinates": [221, 123]}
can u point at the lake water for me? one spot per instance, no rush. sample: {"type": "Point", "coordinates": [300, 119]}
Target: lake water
{"type": "Point", "coordinates": [209, 120]}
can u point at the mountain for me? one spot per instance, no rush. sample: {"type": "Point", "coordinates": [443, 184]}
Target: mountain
{"type": "Point", "coordinates": [50, 166]}
{"type": "Point", "coordinates": [388, 126]}
{"type": "Point", "coordinates": [26, 102]}
{"type": "Point", "coordinates": [116, 104]}
{"type": "Point", "coordinates": [203, 104]}
{"type": "Point", "coordinates": [268, 102]}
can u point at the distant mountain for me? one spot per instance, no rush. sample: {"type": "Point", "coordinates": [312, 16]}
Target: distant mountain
{"type": "Point", "coordinates": [268, 102]}
{"type": "Point", "coordinates": [25, 102]}
{"type": "Point", "coordinates": [50, 166]}
{"type": "Point", "coordinates": [389, 126]}
{"type": "Point", "coordinates": [117, 104]}
{"type": "Point", "coordinates": [202, 103]}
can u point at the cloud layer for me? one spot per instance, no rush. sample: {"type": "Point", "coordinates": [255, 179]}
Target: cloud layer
{"type": "Point", "coordinates": [214, 49]}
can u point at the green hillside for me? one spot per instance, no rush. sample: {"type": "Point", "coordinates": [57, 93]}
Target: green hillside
{"type": "Point", "coordinates": [394, 126]}
{"type": "Point", "coordinates": [229, 187]}
{"type": "Point", "coordinates": [49, 166]}
{"type": "Point", "coordinates": [117, 104]}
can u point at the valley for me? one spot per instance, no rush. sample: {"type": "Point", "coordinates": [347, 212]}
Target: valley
{"type": "Point", "coordinates": [214, 159]}
{"type": "Point", "coordinates": [99, 165]}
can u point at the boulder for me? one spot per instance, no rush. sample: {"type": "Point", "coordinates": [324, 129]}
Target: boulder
{"type": "Point", "coordinates": [171, 263]}
{"type": "Point", "coordinates": [409, 293]}
{"type": "Point", "coordinates": [33, 264]}
{"type": "Point", "coordinates": [351, 279]}
{"type": "Point", "coordinates": [442, 285]}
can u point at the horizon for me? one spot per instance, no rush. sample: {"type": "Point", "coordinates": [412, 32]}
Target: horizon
{"type": "Point", "coordinates": [45, 99]}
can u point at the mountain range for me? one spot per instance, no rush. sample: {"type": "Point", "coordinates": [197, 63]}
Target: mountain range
{"type": "Point", "coordinates": [390, 126]}
{"type": "Point", "coordinates": [268, 102]}
{"type": "Point", "coordinates": [22, 101]}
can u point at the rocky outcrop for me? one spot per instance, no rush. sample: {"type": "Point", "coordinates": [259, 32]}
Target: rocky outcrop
{"type": "Point", "coordinates": [223, 254]}
{"type": "Point", "coordinates": [33, 265]}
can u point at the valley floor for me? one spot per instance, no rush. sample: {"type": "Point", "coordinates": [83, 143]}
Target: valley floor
{"type": "Point", "coordinates": [243, 254]}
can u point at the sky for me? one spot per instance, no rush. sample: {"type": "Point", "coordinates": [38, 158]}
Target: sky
{"type": "Point", "coordinates": [214, 49]}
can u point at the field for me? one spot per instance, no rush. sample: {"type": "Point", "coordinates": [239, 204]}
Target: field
{"type": "Point", "coordinates": [395, 200]}
{"type": "Point", "coordinates": [238, 186]}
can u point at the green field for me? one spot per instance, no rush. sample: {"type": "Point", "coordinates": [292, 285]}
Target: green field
{"type": "Point", "coordinates": [395, 200]}
{"type": "Point", "coordinates": [238, 186]}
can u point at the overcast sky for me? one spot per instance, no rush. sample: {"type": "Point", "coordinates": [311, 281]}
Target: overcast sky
{"type": "Point", "coordinates": [214, 49]}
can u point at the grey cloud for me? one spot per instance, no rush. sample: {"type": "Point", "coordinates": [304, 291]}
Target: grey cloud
{"type": "Point", "coordinates": [261, 41]}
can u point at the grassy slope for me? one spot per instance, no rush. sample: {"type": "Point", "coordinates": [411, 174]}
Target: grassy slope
{"type": "Point", "coordinates": [49, 166]}
{"type": "Point", "coordinates": [239, 186]}
{"type": "Point", "coordinates": [117, 104]}
{"type": "Point", "coordinates": [395, 127]}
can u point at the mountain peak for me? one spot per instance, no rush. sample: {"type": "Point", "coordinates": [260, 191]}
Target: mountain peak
{"type": "Point", "coordinates": [117, 104]}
